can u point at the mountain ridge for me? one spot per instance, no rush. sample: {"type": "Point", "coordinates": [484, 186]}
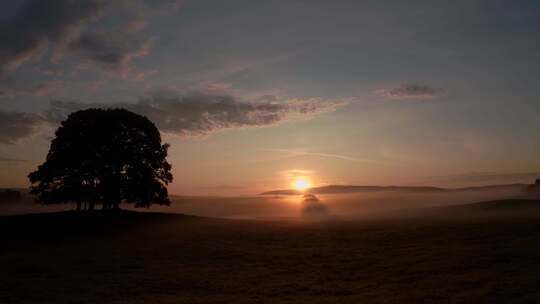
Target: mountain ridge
{"type": "Point", "coordinates": [336, 189]}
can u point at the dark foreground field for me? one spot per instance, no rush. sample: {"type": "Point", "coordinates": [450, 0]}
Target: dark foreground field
{"type": "Point", "coordinates": [158, 258]}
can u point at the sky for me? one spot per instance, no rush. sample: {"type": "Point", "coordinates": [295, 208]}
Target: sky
{"type": "Point", "coordinates": [252, 95]}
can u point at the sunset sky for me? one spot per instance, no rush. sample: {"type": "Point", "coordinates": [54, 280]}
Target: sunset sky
{"type": "Point", "coordinates": [254, 94]}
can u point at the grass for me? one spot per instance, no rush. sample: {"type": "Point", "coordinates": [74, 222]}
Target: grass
{"type": "Point", "coordinates": [131, 257]}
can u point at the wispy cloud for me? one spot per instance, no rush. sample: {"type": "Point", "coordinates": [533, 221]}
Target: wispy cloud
{"type": "Point", "coordinates": [113, 50]}
{"type": "Point", "coordinates": [289, 153]}
{"type": "Point", "coordinates": [11, 160]}
{"type": "Point", "coordinates": [410, 91]}
{"type": "Point", "coordinates": [11, 87]}
{"type": "Point", "coordinates": [15, 125]}
{"type": "Point", "coordinates": [39, 22]}
{"type": "Point", "coordinates": [482, 177]}
{"type": "Point", "coordinates": [222, 187]}
{"type": "Point", "coordinates": [82, 29]}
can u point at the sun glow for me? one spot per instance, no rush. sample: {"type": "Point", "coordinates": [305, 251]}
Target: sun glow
{"type": "Point", "coordinates": [301, 184]}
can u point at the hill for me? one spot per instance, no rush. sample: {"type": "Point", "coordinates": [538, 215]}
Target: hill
{"type": "Point", "coordinates": [333, 189]}
{"type": "Point", "coordinates": [504, 208]}
{"type": "Point", "coordinates": [510, 206]}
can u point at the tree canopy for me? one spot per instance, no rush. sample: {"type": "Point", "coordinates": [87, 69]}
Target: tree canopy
{"type": "Point", "coordinates": [104, 157]}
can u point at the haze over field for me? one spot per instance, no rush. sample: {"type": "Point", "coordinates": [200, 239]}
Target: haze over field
{"type": "Point", "coordinates": [340, 205]}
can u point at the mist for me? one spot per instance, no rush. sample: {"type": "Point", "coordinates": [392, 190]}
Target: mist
{"type": "Point", "coordinates": [354, 205]}
{"type": "Point", "coordinates": [334, 206]}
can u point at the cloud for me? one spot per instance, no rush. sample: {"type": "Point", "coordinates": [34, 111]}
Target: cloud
{"type": "Point", "coordinates": [491, 177]}
{"type": "Point", "coordinates": [11, 160]}
{"type": "Point", "coordinates": [203, 114]}
{"type": "Point", "coordinates": [113, 50]}
{"type": "Point", "coordinates": [115, 47]}
{"type": "Point", "coordinates": [110, 45]}
{"type": "Point", "coordinates": [222, 187]}
{"type": "Point", "coordinates": [15, 125]}
{"type": "Point", "coordinates": [40, 22]}
{"type": "Point", "coordinates": [410, 91]}
{"type": "Point", "coordinates": [216, 87]}
{"type": "Point", "coordinates": [297, 153]}
{"type": "Point", "coordinates": [184, 115]}
{"type": "Point", "coordinates": [165, 7]}
{"type": "Point", "coordinates": [14, 88]}
{"type": "Point", "coordinates": [294, 173]}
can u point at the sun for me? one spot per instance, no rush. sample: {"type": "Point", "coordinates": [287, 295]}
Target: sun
{"type": "Point", "coordinates": [301, 184]}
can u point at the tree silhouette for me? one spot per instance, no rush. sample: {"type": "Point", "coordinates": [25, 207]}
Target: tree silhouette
{"type": "Point", "coordinates": [533, 190]}
{"type": "Point", "coordinates": [104, 156]}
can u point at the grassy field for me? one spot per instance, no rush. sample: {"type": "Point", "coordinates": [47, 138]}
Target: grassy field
{"type": "Point", "coordinates": [132, 257]}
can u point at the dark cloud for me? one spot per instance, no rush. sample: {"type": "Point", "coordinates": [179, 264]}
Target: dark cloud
{"type": "Point", "coordinates": [14, 126]}
{"type": "Point", "coordinates": [410, 91]}
{"type": "Point", "coordinates": [111, 49]}
{"type": "Point", "coordinates": [114, 47]}
{"type": "Point", "coordinates": [200, 114]}
{"type": "Point", "coordinates": [40, 22]}
{"type": "Point", "coordinates": [185, 115]}
{"type": "Point", "coordinates": [111, 45]}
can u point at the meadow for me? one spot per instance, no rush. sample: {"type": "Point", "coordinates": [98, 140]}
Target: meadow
{"type": "Point", "coordinates": [134, 257]}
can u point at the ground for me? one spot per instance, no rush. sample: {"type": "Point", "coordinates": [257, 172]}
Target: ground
{"type": "Point", "coordinates": [132, 257]}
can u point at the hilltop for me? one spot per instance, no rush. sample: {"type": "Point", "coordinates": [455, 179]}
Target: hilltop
{"type": "Point", "coordinates": [333, 189]}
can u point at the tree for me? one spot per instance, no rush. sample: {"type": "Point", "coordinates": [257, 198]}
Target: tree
{"type": "Point", "coordinates": [533, 190]}
{"type": "Point", "coordinates": [104, 156]}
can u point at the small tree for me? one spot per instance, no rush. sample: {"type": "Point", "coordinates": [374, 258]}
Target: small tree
{"type": "Point", "coordinates": [104, 156]}
{"type": "Point", "coordinates": [533, 191]}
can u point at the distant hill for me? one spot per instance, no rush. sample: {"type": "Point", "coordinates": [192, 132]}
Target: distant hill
{"type": "Point", "coordinates": [501, 205]}
{"type": "Point", "coordinates": [508, 207]}
{"type": "Point", "coordinates": [334, 189]}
